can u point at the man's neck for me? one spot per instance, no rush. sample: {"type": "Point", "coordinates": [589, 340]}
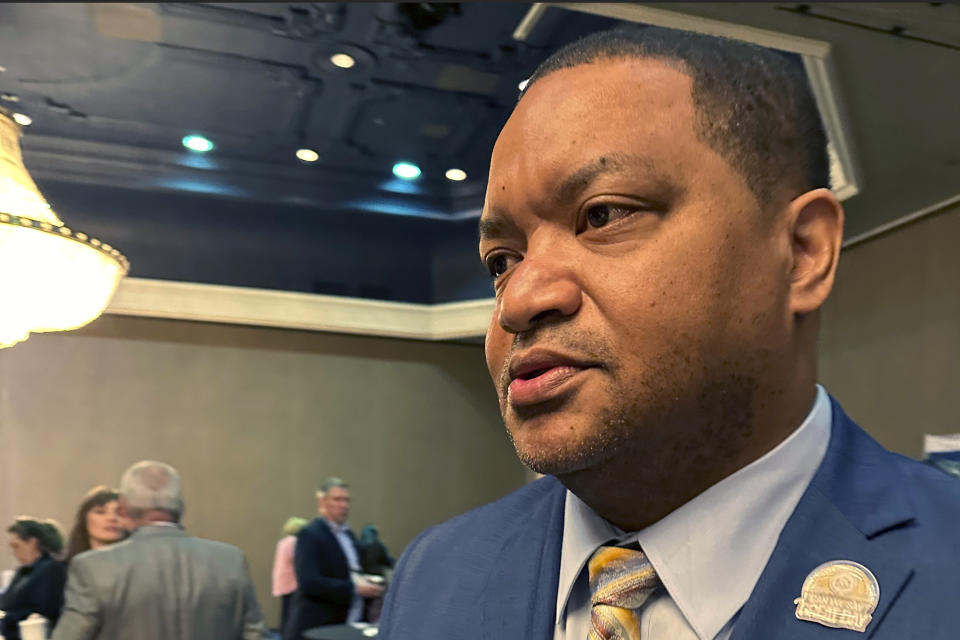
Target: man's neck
{"type": "Point", "coordinates": [641, 485]}
{"type": "Point", "coordinates": [156, 517]}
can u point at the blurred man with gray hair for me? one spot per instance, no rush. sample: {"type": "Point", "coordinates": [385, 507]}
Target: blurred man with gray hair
{"type": "Point", "coordinates": [160, 583]}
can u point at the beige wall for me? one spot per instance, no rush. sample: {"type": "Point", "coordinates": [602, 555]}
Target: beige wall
{"type": "Point", "coordinates": [890, 342]}
{"type": "Point", "coordinates": [253, 418]}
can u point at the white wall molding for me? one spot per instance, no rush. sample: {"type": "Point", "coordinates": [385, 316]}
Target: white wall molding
{"type": "Point", "coordinates": [632, 12]}
{"type": "Point", "coordinates": [934, 209]}
{"type": "Point", "coordinates": [283, 309]}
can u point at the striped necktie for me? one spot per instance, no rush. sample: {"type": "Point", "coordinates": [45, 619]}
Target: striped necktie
{"type": "Point", "coordinates": [621, 580]}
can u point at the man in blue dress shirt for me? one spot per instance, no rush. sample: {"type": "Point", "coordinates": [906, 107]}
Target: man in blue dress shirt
{"type": "Point", "coordinates": [660, 234]}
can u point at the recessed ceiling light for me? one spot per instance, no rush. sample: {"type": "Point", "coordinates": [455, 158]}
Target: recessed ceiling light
{"type": "Point", "coordinates": [456, 175]}
{"type": "Point", "coordinates": [342, 60]}
{"type": "Point", "coordinates": [523, 84]}
{"type": "Point", "coordinates": [406, 170]}
{"type": "Point", "coordinates": [22, 119]}
{"type": "Point", "coordinates": [308, 155]}
{"type": "Point", "coordinates": [197, 143]}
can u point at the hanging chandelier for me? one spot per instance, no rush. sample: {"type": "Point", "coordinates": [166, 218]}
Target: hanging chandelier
{"type": "Point", "coordinates": [51, 277]}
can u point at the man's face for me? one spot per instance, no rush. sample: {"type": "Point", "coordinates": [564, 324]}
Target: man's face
{"type": "Point", "coordinates": [639, 287]}
{"type": "Point", "coordinates": [335, 505]}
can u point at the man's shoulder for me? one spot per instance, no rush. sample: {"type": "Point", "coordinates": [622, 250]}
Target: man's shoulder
{"type": "Point", "coordinates": [315, 528]}
{"type": "Point", "coordinates": [205, 545]}
{"type": "Point", "coordinates": [486, 525]}
{"type": "Point", "coordinates": [914, 505]}
{"type": "Point", "coordinates": [111, 553]}
{"type": "Point", "coordinates": [935, 496]}
{"type": "Point", "coordinates": [136, 547]}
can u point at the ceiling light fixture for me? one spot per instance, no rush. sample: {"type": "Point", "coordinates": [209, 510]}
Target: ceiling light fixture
{"type": "Point", "coordinates": [197, 143]}
{"type": "Point", "coordinates": [342, 60]}
{"type": "Point", "coordinates": [308, 155]}
{"type": "Point", "coordinates": [57, 279]}
{"type": "Point", "coordinates": [406, 170]}
{"type": "Point", "coordinates": [22, 119]}
{"type": "Point", "coordinates": [456, 175]}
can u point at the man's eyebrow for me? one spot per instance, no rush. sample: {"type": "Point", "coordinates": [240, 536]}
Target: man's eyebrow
{"type": "Point", "coordinates": [580, 179]}
{"type": "Point", "coordinates": [498, 224]}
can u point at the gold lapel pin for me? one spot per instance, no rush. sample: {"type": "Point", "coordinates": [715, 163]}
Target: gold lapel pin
{"type": "Point", "coordinates": [841, 594]}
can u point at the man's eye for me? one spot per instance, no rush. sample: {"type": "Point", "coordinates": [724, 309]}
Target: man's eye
{"type": "Point", "coordinates": [600, 215]}
{"type": "Point", "coordinates": [497, 265]}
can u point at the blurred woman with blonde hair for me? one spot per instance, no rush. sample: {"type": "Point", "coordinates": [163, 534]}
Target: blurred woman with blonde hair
{"type": "Point", "coordinates": [284, 575]}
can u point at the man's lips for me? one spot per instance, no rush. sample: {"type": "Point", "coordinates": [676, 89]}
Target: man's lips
{"type": "Point", "coordinates": [537, 376]}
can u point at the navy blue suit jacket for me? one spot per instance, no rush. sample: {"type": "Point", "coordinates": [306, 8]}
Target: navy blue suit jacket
{"type": "Point", "coordinates": [492, 573]}
{"type": "Point", "coordinates": [37, 588]}
{"type": "Point", "coordinates": [324, 586]}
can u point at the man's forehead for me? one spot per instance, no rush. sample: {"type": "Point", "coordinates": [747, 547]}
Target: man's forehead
{"type": "Point", "coordinates": [579, 88]}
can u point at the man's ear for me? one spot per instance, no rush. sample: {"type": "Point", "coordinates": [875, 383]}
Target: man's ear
{"type": "Point", "coordinates": [816, 236]}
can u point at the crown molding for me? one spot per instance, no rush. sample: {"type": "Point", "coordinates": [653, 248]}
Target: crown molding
{"type": "Point", "coordinates": [283, 309]}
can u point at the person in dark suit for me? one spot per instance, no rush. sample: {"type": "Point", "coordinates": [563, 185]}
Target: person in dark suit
{"type": "Point", "coordinates": [330, 589]}
{"type": "Point", "coordinates": [660, 234]}
{"type": "Point", "coordinates": [37, 585]}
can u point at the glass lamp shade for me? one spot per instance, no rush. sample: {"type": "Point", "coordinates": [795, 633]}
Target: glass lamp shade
{"type": "Point", "coordinates": [51, 277]}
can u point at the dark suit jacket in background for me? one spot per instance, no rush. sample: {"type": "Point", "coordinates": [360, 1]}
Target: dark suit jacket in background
{"type": "Point", "coordinates": [324, 586]}
{"type": "Point", "coordinates": [492, 573]}
{"type": "Point", "coordinates": [37, 588]}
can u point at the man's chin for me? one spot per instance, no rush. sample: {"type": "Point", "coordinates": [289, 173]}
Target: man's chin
{"type": "Point", "coordinates": [559, 460]}
{"type": "Point", "coordinates": [556, 447]}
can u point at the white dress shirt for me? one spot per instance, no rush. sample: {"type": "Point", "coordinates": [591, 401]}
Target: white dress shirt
{"type": "Point", "coordinates": [355, 613]}
{"type": "Point", "coordinates": [710, 552]}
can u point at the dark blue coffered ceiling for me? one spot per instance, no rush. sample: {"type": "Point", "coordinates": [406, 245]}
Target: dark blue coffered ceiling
{"type": "Point", "coordinates": [112, 88]}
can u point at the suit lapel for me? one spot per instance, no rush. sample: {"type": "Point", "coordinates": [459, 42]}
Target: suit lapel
{"type": "Point", "coordinates": [852, 500]}
{"type": "Point", "coordinates": [520, 595]}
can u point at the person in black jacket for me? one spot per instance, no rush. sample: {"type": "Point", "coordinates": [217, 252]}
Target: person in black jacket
{"type": "Point", "coordinates": [374, 557]}
{"type": "Point", "coordinates": [330, 587]}
{"type": "Point", "coordinates": [37, 585]}
{"type": "Point", "coordinates": [375, 560]}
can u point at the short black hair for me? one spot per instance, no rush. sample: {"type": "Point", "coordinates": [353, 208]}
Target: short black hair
{"type": "Point", "coordinates": [754, 105]}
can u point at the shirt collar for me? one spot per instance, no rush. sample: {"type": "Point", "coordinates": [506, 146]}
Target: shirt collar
{"type": "Point", "coordinates": [728, 530]}
{"type": "Point", "coordinates": [337, 528]}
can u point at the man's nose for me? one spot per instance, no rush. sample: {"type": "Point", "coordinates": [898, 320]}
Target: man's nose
{"type": "Point", "coordinates": [541, 286]}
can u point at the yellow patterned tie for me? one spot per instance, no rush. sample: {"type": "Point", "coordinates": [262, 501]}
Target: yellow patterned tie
{"type": "Point", "coordinates": [621, 580]}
